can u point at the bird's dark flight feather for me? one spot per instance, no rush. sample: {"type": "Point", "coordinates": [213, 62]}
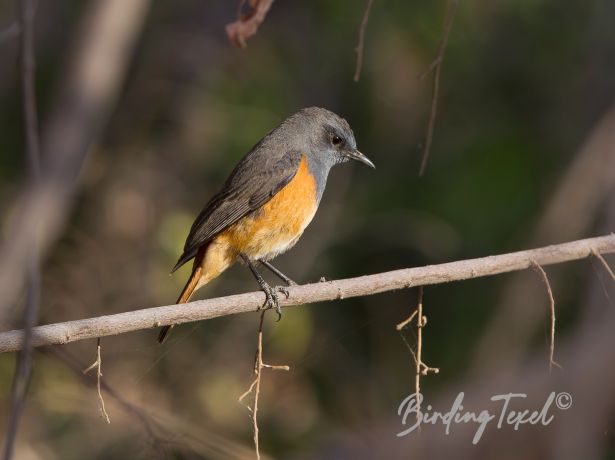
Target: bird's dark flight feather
{"type": "Point", "coordinates": [255, 180]}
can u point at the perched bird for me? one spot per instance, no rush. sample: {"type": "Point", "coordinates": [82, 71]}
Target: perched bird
{"type": "Point", "coordinates": [268, 200]}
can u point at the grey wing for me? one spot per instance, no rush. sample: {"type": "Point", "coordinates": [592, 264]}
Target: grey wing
{"type": "Point", "coordinates": [250, 186]}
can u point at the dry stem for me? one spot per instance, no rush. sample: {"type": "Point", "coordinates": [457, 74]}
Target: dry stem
{"type": "Point", "coordinates": [421, 367]}
{"type": "Point", "coordinates": [545, 280]}
{"type": "Point", "coordinates": [604, 264]}
{"type": "Point", "coordinates": [98, 366]}
{"type": "Point", "coordinates": [255, 387]}
{"type": "Point", "coordinates": [360, 45]}
{"type": "Point", "coordinates": [437, 65]}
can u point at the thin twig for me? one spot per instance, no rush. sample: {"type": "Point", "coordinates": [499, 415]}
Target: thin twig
{"type": "Point", "coordinates": [421, 322]}
{"type": "Point", "coordinates": [360, 45]}
{"type": "Point", "coordinates": [604, 264]}
{"type": "Point", "coordinates": [102, 326]}
{"type": "Point", "coordinates": [28, 68]}
{"type": "Point", "coordinates": [429, 69]}
{"type": "Point", "coordinates": [420, 367]}
{"type": "Point", "coordinates": [63, 355]}
{"type": "Point", "coordinates": [593, 164]}
{"type": "Point", "coordinates": [437, 65]}
{"type": "Point", "coordinates": [405, 322]}
{"type": "Point", "coordinates": [23, 367]}
{"type": "Point", "coordinates": [255, 387]}
{"type": "Point", "coordinates": [545, 280]}
{"type": "Point", "coordinates": [98, 366]}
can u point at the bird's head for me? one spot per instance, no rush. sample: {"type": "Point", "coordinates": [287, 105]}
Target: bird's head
{"type": "Point", "coordinates": [329, 136]}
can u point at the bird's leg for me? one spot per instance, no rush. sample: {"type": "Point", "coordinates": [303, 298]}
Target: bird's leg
{"type": "Point", "coordinates": [272, 297]}
{"type": "Point", "coordinates": [280, 275]}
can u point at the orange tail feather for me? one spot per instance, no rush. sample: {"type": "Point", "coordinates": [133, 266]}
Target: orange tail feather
{"type": "Point", "coordinates": [184, 297]}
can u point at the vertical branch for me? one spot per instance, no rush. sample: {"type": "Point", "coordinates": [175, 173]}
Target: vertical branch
{"type": "Point", "coordinates": [97, 364]}
{"type": "Point", "coordinates": [258, 366]}
{"type": "Point", "coordinates": [420, 367]}
{"type": "Point", "coordinates": [255, 387]}
{"type": "Point", "coordinates": [23, 368]}
{"type": "Point", "coordinates": [437, 65]}
{"type": "Point", "coordinates": [420, 322]}
{"type": "Point", "coordinates": [360, 45]}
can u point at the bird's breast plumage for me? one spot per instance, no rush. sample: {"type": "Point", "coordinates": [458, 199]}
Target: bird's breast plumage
{"type": "Point", "coordinates": [278, 224]}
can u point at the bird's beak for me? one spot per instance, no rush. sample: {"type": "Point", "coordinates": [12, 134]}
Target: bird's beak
{"type": "Point", "coordinates": [356, 155]}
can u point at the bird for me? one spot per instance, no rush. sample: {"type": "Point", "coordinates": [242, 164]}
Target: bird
{"type": "Point", "coordinates": [267, 201]}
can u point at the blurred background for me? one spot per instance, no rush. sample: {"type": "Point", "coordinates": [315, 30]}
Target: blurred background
{"type": "Point", "coordinates": [523, 155]}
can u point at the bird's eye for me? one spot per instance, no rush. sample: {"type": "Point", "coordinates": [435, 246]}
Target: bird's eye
{"type": "Point", "coordinates": [336, 140]}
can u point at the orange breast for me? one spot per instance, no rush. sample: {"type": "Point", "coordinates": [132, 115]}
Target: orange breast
{"type": "Point", "coordinates": [278, 225]}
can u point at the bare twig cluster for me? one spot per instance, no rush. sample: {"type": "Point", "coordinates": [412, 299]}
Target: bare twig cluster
{"type": "Point", "coordinates": [420, 367]}
{"type": "Point", "coordinates": [255, 387]}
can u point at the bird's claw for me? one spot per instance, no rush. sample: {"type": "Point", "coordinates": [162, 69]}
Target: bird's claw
{"type": "Point", "coordinates": [284, 291]}
{"type": "Point", "coordinates": [272, 299]}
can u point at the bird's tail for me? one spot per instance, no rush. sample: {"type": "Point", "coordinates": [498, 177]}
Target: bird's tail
{"type": "Point", "coordinates": [184, 297]}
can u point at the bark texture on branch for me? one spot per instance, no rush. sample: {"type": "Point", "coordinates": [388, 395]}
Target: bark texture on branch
{"type": "Point", "coordinates": [71, 331]}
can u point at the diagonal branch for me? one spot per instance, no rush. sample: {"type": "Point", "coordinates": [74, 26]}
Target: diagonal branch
{"type": "Point", "coordinates": [91, 328]}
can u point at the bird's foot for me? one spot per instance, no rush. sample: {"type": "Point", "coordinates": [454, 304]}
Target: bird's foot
{"type": "Point", "coordinates": [272, 299]}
